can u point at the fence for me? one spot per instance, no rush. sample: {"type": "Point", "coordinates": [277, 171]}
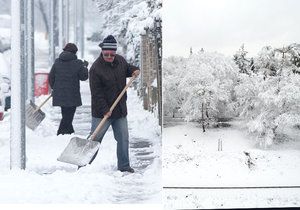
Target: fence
{"type": "Point", "coordinates": [151, 69]}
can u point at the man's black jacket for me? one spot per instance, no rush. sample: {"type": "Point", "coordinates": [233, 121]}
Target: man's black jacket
{"type": "Point", "coordinates": [107, 81]}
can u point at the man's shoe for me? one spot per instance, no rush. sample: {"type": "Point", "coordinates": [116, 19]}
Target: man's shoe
{"type": "Point", "coordinates": [129, 169]}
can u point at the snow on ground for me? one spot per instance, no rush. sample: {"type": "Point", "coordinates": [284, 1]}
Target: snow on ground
{"type": "Point", "coordinates": [230, 199]}
{"type": "Point", "coordinates": [191, 159]}
{"type": "Point", "coordinates": [47, 180]}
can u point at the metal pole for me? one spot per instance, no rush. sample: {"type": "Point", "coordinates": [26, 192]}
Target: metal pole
{"type": "Point", "coordinates": [81, 32]}
{"type": "Point", "coordinates": [25, 22]}
{"type": "Point", "coordinates": [17, 123]}
{"type": "Point", "coordinates": [67, 20]}
{"type": "Point", "coordinates": [52, 33]}
{"type": "Point", "coordinates": [61, 24]}
{"type": "Point", "coordinates": [30, 49]}
{"type": "Point", "coordinates": [75, 22]}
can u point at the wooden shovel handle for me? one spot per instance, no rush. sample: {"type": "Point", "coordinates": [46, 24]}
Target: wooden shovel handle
{"type": "Point", "coordinates": [42, 104]}
{"type": "Point", "coordinates": [93, 136]}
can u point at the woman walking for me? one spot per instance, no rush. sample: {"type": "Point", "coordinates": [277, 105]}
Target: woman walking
{"type": "Point", "coordinates": [64, 78]}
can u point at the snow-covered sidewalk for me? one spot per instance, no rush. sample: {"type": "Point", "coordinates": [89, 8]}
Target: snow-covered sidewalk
{"type": "Point", "coordinates": [191, 159]}
{"type": "Point", "coordinates": [46, 180]}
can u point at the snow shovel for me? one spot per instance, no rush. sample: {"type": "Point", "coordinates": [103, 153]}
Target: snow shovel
{"type": "Point", "coordinates": [34, 114]}
{"type": "Point", "coordinates": [81, 151]}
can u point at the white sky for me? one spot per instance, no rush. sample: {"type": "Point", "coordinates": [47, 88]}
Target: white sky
{"type": "Point", "coordinates": [224, 25]}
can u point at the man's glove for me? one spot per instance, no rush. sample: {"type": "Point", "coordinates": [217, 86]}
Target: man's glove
{"type": "Point", "coordinates": [85, 63]}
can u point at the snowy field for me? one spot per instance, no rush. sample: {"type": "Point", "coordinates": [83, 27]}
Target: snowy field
{"type": "Point", "coordinates": [46, 180]}
{"type": "Point", "coordinates": [191, 159]}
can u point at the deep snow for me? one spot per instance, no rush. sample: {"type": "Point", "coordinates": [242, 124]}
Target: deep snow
{"type": "Point", "coordinates": [191, 159]}
{"type": "Point", "coordinates": [46, 180]}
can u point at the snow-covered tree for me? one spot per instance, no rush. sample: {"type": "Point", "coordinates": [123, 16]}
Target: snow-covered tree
{"type": "Point", "coordinates": [207, 86]}
{"type": "Point", "coordinates": [242, 62]}
{"type": "Point", "coordinates": [295, 56]}
{"type": "Point", "coordinates": [202, 85]}
{"type": "Point", "coordinates": [127, 20]}
{"type": "Point", "coordinates": [269, 104]}
{"type": "Point", "coordinates": [266, 62]}
{"type": "Point", "coordinates": [173, 71]}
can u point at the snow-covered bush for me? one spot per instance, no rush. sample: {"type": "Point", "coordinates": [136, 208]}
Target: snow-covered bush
{"type": "Point", "coordinates": [202, 85]}
{"type": "Point", "coordinates": [269, 104]}
{"type": "Point", "coordinates": [269, 99]}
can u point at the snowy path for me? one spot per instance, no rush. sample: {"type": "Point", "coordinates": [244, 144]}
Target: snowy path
{"type": "Point", "coordinates": [191, 159]}
{"type": "Point", "coordinates": [46, 180]}
{"type": "Point", "coordinates": [132, 190]}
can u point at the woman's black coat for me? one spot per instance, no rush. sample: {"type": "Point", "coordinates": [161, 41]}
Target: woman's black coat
{"type": "Point", "coordinates": [64, 79]}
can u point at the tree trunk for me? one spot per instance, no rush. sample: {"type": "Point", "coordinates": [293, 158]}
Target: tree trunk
{"type": "Point", "coordinates": [206, 113]}
{"type": "Point", "coordinates": [203, 125]}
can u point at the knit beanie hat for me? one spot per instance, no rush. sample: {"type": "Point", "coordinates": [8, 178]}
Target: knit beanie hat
{"type": "Point", "coordinates": [71, 48]}
{"type": "Point", "coordinates": [109, 43]}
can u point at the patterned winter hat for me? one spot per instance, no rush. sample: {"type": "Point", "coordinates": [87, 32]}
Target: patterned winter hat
{"type": "Point", "coordinates": [109, 43]}
{"type": "Point", "coordinates": [71, 48]}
